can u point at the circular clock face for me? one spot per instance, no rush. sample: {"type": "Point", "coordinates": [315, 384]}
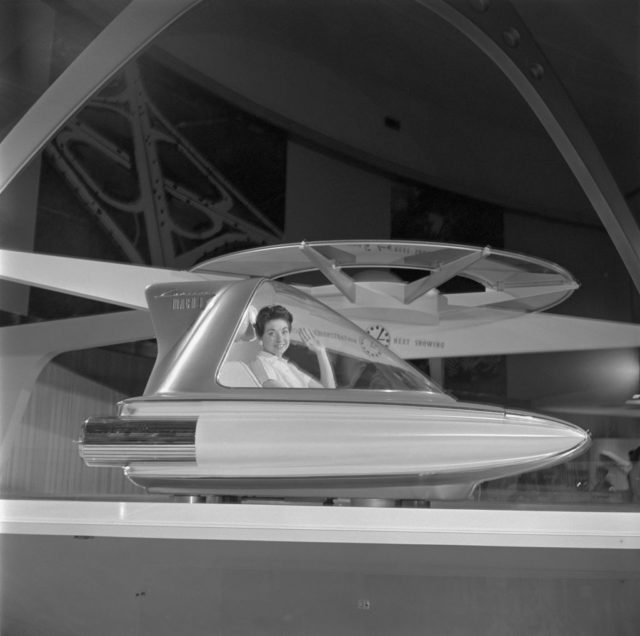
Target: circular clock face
{"type": "Point", "coordinates": [380, 334]}
{"type": "Point", "coordinates": [370, 347]}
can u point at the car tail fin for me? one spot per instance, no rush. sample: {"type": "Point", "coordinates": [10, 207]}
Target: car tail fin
{"type": "Point", "coordinates": [175, 307]}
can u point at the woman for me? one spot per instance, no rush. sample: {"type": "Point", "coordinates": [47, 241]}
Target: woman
{"type": "Point", "coordinates": [273, 328]}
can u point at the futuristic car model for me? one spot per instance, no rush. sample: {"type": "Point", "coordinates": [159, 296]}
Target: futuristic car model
{"type": "Point", "coordinates": [208, 425]}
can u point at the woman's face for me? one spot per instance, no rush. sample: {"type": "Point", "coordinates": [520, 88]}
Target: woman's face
{"type": "Point", "coordinates": [275, 339]}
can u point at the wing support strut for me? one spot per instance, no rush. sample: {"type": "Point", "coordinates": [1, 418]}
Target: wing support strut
{"type": "Point", "coordinates": [344, 283]}
{"type": "Point", "coordinates": [442, 275]}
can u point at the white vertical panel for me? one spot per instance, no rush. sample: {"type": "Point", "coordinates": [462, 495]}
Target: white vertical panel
{"type": "Point", "coordinates": [43, 460]}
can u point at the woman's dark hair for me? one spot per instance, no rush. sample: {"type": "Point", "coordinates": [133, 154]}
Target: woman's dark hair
{"type": "Point", "coordinates": [271, 312]}
{"type": "Point", "coordinates": [634, 455]}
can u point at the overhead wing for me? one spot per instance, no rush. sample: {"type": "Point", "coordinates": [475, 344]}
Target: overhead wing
{"type": "Point", "coordinates": [418, 319]}
{"type": "Point", "coordinates": [117, 283]}
{"type": "Point", "coordinates": [507, 334]}
{"type": "Point", "coordinates": [505, 279]}
{"type": "Point", "coordinates": [415, 319]}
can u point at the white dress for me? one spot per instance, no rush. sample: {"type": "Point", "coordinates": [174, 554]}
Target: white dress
{"type": "Point", "coordinates": [270, 367]}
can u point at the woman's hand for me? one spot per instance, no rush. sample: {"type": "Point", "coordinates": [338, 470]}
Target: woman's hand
{"type": "Point", "coordinates": [327, 378]}
{"type": "Point", "coordinates": [310, 341]}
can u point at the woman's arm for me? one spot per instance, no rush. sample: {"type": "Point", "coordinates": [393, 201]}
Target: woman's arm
{"type": "Point", "coordinates": [273, 384]}
{"type": "Point", "coordinates": [326, 370]}
{"type": "Point", "coordinates": [263, 377]}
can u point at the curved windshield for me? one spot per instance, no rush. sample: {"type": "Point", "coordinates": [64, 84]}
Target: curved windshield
{"type": "Point", "coordinates": [288, 339]}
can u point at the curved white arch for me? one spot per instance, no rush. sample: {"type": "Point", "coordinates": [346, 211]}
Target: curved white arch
{"type": "Point", "coordinates": [562, 123]}
{"type": "Point", "coordinates": [123, 38]}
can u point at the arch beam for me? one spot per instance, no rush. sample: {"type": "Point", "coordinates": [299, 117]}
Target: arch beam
{"type": "Point", "coordinates": [496, 29]}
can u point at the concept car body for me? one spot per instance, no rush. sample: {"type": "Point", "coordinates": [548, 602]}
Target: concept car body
{"type": "Point", "coordinates": [207, 426]}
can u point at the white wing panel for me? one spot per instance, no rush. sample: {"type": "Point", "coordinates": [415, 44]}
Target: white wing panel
{"type": "Point", "coordinates": [510, 333]}
{"type": "Point", "coordinates": [118, 283]}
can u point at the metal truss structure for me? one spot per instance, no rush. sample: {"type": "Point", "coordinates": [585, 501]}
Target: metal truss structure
{"type": "Point", "coordinates": [166, 223]}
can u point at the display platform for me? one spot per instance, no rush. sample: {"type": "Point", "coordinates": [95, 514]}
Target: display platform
{"type": "Point", "coordinates": [323, 524]}
{"type": "Point", "coordinates": [91, 567]}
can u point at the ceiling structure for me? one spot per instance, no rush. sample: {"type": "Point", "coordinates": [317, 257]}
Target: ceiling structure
{"type": "Point", "coordinates": [396, 83]}
{"type": "Point", "coordinates": [523, 104]}
{"type": "Point", "coordinates": [459, 94]}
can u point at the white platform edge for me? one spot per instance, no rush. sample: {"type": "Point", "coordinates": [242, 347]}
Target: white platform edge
{"type": "Point", "coordinates": [294, 523]}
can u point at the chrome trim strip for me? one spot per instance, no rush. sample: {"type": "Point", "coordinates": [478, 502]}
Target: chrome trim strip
{"type": "Point", "coordinates": [117, 441]}
{"type": "Point", "coordinates": [124, 431]}
{"type": "Point", "coordinates": [121, 456]}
